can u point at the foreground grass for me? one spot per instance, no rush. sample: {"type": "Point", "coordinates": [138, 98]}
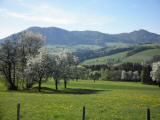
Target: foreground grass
{"type": "Point", "coordinates": [104, 100]}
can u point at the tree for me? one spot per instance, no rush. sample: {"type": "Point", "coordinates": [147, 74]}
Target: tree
{"type": "Point", "coordinates": [37, 69]}
{"type": "Point", "coordinates": [95, 75]}
{"type": "Point", "coordinates": [115, 75]}
{"type": "Point", "coordinates": [155, 73]}
{"type": "Point", "coordinates": [80, 72]}
{"type": "Point", "coordinates": [28, 46]}
{"type": "Point", "coordinates": [129, 75]}
{"type": "Point", "coordinates": [123, 75]}
{"type": "Point", "coordinates": [14, 55]}
{"type": "Point", "coordinates": [145, 74]}
{"type": "Point", "coordinates": [56, 69]}
{"type": "Point", "coordinates": [135, 76]}
{"type": "Point", "coordinates": [8, 62]}
{"type": "Point", "coordinates": [130, 66]}
{"type": "Point", "coordinates": [104, 74]}
{"type": "Point", "coordinates": [68, 63]}
{"type": "Point", "coordinates": [77, 72]}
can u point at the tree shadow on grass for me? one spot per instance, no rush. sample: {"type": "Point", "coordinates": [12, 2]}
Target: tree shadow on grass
{"type": "Point", "coordinates": [46, 90]}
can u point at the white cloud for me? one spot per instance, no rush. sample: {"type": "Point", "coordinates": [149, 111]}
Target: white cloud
{"type": "Point", "coordinates": [56, 17]}
{"type": "Point", "coordinates": [47, 15]}
{"type": "Point", "coordinates": [44, 13]}
{"type": "Point", "coordinates": [6, 31]}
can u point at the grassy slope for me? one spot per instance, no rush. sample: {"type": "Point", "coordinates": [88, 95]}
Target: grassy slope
{"type": "Point", "coordinates": [111, 101]}
{"type": "Point", "coordinates": [70, 48]}
{"type": "Point", "coordinates": [138, 57]}
{"type": "Point", "coordinates": [103, 60]}
{"type": "Point", "coordinates": [142, 56]}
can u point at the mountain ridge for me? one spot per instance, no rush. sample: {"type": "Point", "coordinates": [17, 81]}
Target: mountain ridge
{"type": "Point", "coordinates": [55, 35]}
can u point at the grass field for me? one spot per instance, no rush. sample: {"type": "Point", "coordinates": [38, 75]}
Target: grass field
{"type": "Point", "coordinates": [142, 56]}
{"type": "Point", "coordinates": [71, 48]}
{"type": "Point", "coordinates": [137, 58]}
{"type": "Point", "coordinates": [104, 100]}
{"type": "Point", "coordinates": [104, 60]}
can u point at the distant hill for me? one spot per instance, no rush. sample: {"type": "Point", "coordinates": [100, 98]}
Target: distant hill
{"type": "Point", "coordinates": [60, 36]}
{"type": "Point", "coordinates": [140, 36]}
{"type": "Point", "coordinates": [137, 54]}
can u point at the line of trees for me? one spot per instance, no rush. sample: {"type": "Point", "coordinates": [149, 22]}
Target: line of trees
{"type": "Point", "coordinates": [135, 72]}
{"type": "Point", "coordinates": [25, 62]}
{"type": "Point", "coordinates": [14, 55]}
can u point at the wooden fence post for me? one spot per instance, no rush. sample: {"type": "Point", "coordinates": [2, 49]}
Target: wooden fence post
{"type": "Point", "coordinates": [148, 114]}
{"type": "Point", "coordinates": [18, 111]}
{"type": "Point", "coordinates": [84, 111]}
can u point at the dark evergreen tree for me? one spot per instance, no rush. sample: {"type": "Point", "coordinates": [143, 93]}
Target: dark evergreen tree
{"type": "Point", "coordinates": [145, 74]}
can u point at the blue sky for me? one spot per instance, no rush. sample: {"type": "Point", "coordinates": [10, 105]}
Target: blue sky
{"type": "Point", "coordinates": [108, 16]}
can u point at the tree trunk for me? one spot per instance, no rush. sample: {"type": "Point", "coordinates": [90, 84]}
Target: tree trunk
{"type": "Point", "coordinates": [17, 79]}
{"type": "Point", "coordinates": [22, 72]}
{"type": "Point", "coordinates": [65, 83]}
{"type": "Point", "coordinates": [39, 87]}
{"type": "Point", "coordinates": [12, 87]}
{"type": "Point", "coordinates": [22, 84]}
{"type": "Point", "coordinates": [56, 84]}
{"type": "Point", "coordinates": [76, 79]}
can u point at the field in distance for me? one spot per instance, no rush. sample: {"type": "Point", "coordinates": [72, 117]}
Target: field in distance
{"type": "Point", "coordinates": [136, 55]}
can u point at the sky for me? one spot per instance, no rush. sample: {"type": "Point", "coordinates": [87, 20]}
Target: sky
{"type": "Point", "coordinates": [108, 16]}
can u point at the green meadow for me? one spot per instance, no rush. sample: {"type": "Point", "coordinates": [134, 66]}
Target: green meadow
{"type": "Point", "coordinates": [138, 57]}
{"type": "Point", "coordinates": [105, 59]}
{"type": "Point", "coordinates": [104, 100]}
{"type": "Point", "coordinates": [143, 56]}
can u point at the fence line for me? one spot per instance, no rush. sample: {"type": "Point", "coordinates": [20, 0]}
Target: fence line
{"type": "Point", "coordinates": [148, 113]}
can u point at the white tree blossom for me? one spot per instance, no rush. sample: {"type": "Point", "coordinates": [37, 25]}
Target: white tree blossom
{"type": "Point", "coordinates": [123, 75]}
{"type": "Point", "coordinates": [37, 68]}
{"type": "Point", "coordinates": [135, 75]}
{"type": "Point", "coordinates": [155, 73]}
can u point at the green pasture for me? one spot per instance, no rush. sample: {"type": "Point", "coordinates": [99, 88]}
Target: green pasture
{"type": "Point", "coordinates": [104, 100]}
{"type": "Point", "coordinates": [136, 58]}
